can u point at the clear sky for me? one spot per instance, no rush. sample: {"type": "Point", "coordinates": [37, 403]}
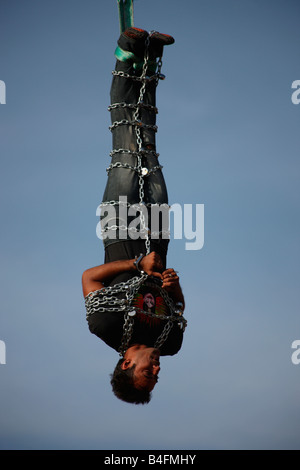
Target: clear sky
{"type": "Point", "coordinates": [228, 138]}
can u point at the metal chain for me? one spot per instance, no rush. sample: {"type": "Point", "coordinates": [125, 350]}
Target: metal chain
{"type": "Point", "coordinates": [145, 172]}
{"type": "Point", "coordinates": [165, 234]}
{"type": "Point", "coordinates": [164, 335]}
{"type": "Point", "coordinates": [132, 106]}
{"type": "Point", "coordinates": [134, 77]}
{"type": "Point", "coordinates": [106, 299]}
{"type": "Point", "coordinates": [95, 303]}
{"type": "Point", "coordinates": [140, 142]}
{"type": "Point", "coordinates": [132, 123]}
{"type": "Point", "coordinates": [124, 227]}
{"type": "Point", "coordinates": [127, 204]}
{"type": "Point", "coordinates": [143, 152]}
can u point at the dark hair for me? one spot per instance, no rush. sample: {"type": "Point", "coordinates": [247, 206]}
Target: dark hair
{"type": "Point", "coordinates": [123, 387]}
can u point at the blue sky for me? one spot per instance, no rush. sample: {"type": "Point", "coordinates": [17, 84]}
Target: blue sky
{"type": "Point", "coordinates": [228, 138]}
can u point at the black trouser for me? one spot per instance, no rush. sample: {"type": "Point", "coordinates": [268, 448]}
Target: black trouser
{"type": "Point", "coordinates": [123, 178]}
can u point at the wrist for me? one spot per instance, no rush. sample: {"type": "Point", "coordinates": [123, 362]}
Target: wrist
{"type": "Point", "coordinates": [178, 296]}
{"type": "Point", "coordinates": [137, 261]}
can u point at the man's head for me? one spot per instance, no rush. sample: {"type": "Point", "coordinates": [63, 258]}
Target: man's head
{"type": "Point", "coordinates": [136, 374]}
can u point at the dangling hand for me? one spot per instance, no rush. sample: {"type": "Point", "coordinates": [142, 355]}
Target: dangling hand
{"type": "Point", "coordinates": [170, 280]}
{"type": "Point", "coordinates": [172, 286]}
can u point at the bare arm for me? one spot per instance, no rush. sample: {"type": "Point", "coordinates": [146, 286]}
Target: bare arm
{"type": "Point", "coordinates": [94, 278]}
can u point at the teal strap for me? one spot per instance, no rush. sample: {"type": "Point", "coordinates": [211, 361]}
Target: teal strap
{"type": "Point", "coordinates": [125, 14]}
{"type": "Point", "coordinates": [126, 56]}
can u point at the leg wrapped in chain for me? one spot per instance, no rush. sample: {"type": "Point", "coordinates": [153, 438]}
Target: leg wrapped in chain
{"type": "Point", "coordinates": [135, 180]}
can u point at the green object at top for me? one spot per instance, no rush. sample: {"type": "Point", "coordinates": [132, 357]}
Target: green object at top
{"type": "Point", "coordinates": [125, 14]}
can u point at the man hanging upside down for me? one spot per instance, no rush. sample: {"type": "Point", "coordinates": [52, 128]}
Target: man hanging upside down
{"type": "Point", "coordinates": [134, 303]}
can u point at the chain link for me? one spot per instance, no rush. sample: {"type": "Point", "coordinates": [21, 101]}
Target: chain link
{"type": "Point", "coordinates": [132, 123]}
{"type": "Point", "coordinates": [145, 172]}
{"type": "Point", "coordinates": [135, 77]}
{"type": "Point", "coordinates": [136, 205]}
{"type": "Point", "coordinates": [132, 106]}
{"type": "Point", "coordinates": [126, 151]}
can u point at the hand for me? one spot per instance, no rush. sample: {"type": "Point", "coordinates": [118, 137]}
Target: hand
{"type": "Point", "coordinates": [152, 264]}
{"type": "Point", "coordinates": [170, 280]}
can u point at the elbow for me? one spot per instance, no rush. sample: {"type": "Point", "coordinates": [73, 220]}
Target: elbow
{"type": "Point", "coordinates": [85, 278]}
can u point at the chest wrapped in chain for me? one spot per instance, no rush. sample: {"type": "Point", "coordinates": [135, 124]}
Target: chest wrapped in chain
{"type": "Point", "coordinates": [139, 299]}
